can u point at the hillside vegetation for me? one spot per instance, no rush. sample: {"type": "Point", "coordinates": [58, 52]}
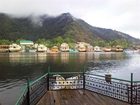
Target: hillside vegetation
{"type": "Point", "coordinates": [54, 30]}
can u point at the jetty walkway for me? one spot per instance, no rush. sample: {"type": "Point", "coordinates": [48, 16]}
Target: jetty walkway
{"type": "Point", "coordinates": [77, 97]}
{"type": "Point", "coordinates": [80, 88]}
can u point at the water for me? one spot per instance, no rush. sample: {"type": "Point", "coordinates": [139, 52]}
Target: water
{"type": "Point", "coordinates": [16, 67]}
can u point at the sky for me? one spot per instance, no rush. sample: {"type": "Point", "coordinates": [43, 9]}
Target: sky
{"type": "Point", "coordinates": [121, 15]}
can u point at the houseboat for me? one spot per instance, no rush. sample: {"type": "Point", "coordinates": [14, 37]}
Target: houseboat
{"type": "Point", "coordinates": [119, 48]}
{"type": "Point", "coordinates": [113, 49]}
{"type": "Point", "coordinates": [14, 48]}
{"type": "Point", "coordinates": [97, 49]}
{"type": "Point", "coordinates": [4, 48]}
{"type": "Point", "coordinates": [81, 47]}
{"type": "Point", "coordinates": [89, 48]}
{"type": "Point", "coordinates": [41, 48]}
{"type": "Point", "coordinates": [54, 49]}
{"type": "Point", "coordinates": [25, 45]}
{"type": "Point", "coordinates": [32, 50]}
{"type": "Point", "coordinates": [73, 51]}
{"type": "Point", "coordinates": [64, 47]}
{"type": "Point", "coordinates": [107, 49]}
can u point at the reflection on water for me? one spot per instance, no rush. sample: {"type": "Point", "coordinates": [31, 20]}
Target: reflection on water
{"type": "Point", "coordinates": [64, 57]}
{"type": "Point", "coordinates": [27, 57]}
{"type": "Point", "coordinates": [16, 67]}
{"type": "Point", "coordinates": [41, 57]}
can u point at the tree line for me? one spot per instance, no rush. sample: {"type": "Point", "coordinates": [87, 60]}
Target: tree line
{"type": "Point", "coordinates": [59, 40]}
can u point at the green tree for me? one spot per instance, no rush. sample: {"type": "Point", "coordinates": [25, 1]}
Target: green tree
{"type": "Point", "coordinates": [58, 41]}
{"type": "Point", "coordinates": [5, 42]}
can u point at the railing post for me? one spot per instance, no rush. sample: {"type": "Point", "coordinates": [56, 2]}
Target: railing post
{"type": "Point", "coordinates": [131, 88]}
{"type": "Point", "coordinates": [84, 80]}
{"type": "Point", "coordinates": [28, 92]}
{"type": "Point", "coordinates": [48, 76]}
{"type": "Point", "coordinates": [84, 83]}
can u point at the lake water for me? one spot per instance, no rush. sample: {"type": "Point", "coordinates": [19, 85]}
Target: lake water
{"type": "Point", "coordinates": [16, 67]}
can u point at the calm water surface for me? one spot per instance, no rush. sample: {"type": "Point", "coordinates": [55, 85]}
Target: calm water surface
{"type": "Point", "coordinates": [16, 67]}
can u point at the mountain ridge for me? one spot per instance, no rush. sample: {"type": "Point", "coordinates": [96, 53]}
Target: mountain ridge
{"type": "Point", "coordinates": [49, 27]}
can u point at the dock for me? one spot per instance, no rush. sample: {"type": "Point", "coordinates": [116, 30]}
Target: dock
{"type": "Point", "coordinates": [78, 88]}
{"type": "Point", "coordinates": [77, 97]}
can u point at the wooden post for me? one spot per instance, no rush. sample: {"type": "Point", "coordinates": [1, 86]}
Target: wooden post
{"type": "Point", "coordinates": [28, 92]}
{"type": "Point", "coordinates": [131, 88]}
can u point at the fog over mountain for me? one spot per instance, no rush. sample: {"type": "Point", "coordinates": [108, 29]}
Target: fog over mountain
{"type": "Point", "coordinates": [33, 27]}
{"type": "Point", "coordinates": [121, 15]}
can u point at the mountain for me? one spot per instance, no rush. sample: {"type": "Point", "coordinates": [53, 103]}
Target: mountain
{"type": "Point", "coordinates": [65, 25]}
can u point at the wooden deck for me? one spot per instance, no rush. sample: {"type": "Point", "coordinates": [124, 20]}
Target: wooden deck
{"type": "Point", "coordinates": [76, 97]}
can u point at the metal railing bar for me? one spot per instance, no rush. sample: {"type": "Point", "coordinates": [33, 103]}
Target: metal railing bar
{"type": "Point", "coordinates": [104, 77]}
{"type": "Point", "coordinates": [33, 82]}
{"type": "Point", "coordinates": [22, 94]}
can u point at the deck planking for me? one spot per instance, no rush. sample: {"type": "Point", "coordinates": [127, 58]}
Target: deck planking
{"type": "Point", "coordinates": [77, 97]}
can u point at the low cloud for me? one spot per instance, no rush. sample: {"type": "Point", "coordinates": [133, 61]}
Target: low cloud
{"type": "Point", "coordinates": [122, 15]}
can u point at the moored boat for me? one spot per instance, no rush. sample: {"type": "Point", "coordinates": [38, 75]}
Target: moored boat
{"type": "Point", "coordinates": [4, 48]}
{"type": "Point", "coordinates": [81, 47]}
{"type": "Point", "coordinates": [41, 48]}
{"type": "Point", "coordinates": [107, 49]}
{"type": "Point", "coordinates": [54, 49]}
{"type": "Point", "coordinates": [73, 51]}
{"type": "Point", "coordinates": [64, 47]}
{"type": "Point", "coordinates": [97, 49]}
{"type": "Point", "coordinates": [32, 50]}
{"type": "Point", "coordinates": [119, 49]}
{"type": "Point", "coordinates": [14, 48]}
{"type": "Point", "coordinates": [89, 48]}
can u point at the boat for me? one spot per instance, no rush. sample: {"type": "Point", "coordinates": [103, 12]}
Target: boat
{"type": "Point", "coordinates": [113, 49]}
{"type": "Point", "coordinates": [14, 48]}
{"type": "Point", "coordinates": [97, 49]}
{"type": "Point", "coordinates": [32, 50]}
{"type": "Point", "coordinates": [64, 47]}
{"type": "Point", "coordinates": [41, 48]}
{"type": "Point", "coordinates": [4, 48]}
{"type": "Point", "coordinates": [81, 47]}
{"type": "Point", "coordinates": [73, 51]}
{"type": "Point", "coordinates": [107, 49]}
{"type": "Point", "coordinates": [54, 49]}
{"type": "Point", "coordinates": [119, 48]}
{"type": "Point", "coordinates": [89, 48]}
